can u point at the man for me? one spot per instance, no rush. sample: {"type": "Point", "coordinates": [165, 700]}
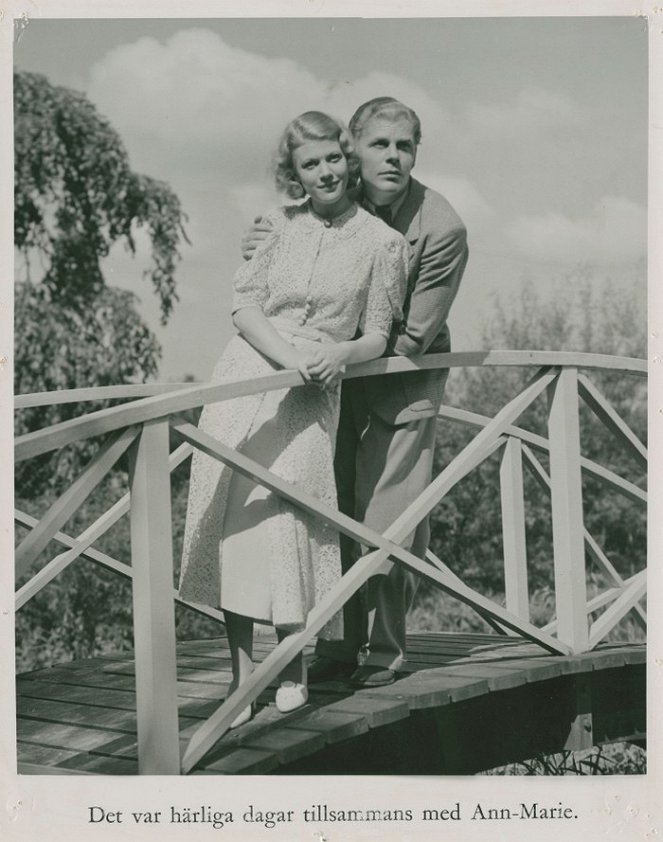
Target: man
{"type": "Point", "coordinates": [386, 433]}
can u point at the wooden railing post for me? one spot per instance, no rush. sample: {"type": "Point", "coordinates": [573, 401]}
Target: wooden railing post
{"type": "Point", "coordinates": [513, 529]}
{"type": "Point", "coordinates": [153, 608]}
{"type": "Point", "coordinates": [567, 514]}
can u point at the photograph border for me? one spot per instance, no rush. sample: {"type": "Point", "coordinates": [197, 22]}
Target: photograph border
{"type": "Point", "coordinates": [57, 808]}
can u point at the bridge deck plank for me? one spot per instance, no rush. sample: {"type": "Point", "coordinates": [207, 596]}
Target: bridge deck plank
{"type": "Point", "coordinates": [71, 761]}
{"type": "Point", "coordinates": [81, 716]}
{"type": "Point", "coordinates": [335, 725]}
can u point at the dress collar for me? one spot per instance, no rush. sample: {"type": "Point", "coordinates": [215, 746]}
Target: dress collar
{"type": "Point", "coordinates": [344, 225]}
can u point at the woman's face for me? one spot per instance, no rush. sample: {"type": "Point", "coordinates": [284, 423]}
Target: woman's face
{"type": "Point", "coordinates": [322, 169]}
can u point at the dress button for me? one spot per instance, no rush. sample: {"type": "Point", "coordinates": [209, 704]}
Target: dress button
{"type": "Point", "coordinates": [328, 223]}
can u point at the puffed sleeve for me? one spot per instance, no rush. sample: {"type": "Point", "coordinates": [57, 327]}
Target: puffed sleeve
{"type": "Point", "coordinates": [386, 292]}
{"type": "Point", "coordinates": [250, 288]}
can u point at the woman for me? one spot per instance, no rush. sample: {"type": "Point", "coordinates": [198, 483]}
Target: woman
{"type": "Point", "coordinates": [321, 292]}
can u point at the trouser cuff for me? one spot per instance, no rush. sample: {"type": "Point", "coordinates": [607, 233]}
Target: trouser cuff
{"type": "Point", "coordinates": [377, 659]}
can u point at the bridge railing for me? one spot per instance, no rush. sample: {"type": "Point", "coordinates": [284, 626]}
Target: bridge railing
{"type": "Point", "coordinates": [142, 428]}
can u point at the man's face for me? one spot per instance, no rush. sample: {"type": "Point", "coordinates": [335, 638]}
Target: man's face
{"type": "Point", "coordinates": [387, 153]}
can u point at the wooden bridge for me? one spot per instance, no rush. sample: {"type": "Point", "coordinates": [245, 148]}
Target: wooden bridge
{"type": "Point", "coordinates": [469, 702]}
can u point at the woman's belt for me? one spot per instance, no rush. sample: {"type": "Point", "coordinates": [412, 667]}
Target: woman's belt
{"type": "Point", "coordinates": [291, 326]}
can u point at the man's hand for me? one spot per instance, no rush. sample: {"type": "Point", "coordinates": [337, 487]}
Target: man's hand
{"type": "Point", "coordinates": [255, 234]}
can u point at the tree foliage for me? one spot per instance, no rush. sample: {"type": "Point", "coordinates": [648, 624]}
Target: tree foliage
{"type": "Point", "coordinates": [581, 314]}
{"type": "Point", "coordinates": [58, 346]}
{"type": "Point", "coordinates": [75, 195]}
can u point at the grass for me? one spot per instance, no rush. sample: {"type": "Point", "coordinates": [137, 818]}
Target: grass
{"type": "Point", "coordinates": [436, 611]}
{"type": "Point", "coordinates": [611, 759]}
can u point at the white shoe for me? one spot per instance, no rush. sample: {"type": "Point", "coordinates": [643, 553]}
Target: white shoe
{"type": "Point", "coordinates": [242, 717]}
{"type": "Point", "coordinates": [291, 696]}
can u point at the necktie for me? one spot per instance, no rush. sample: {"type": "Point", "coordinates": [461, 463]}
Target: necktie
{"type": "Point", "coordinates": [384, 212]}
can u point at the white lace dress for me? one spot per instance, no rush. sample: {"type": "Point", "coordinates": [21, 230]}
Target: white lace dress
{"type": "Point", "coordinates": [245, 549]}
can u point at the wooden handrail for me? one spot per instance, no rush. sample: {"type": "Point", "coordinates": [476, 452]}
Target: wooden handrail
{"type": "Point", "coordinates": [385, 365]}
{"type": "Point", "coordinates": [591, 546]}
{"type": "Point", "coordinates": [60, 512]}
{"type": "Point", "coordinates": [630, 596]}
{"type": "Point", "coordinates": [56, 565]}
{"type": "Point", "coordinates": [93, 532]}
{"type": "Point", "coordinates": [127, 391]}
{"type": "Point", "coordinates": [612, 420]}
{"type": "Point", "coordinates": [153, 406]}
{"type": "Point", "coordinates": [105, 421]}
{"type": "Point", "coordinates": [218, 723]}
{"type": "Point", "coordinates": [453, 473]}
{"type": "Point", "coordinates": [605, 475]}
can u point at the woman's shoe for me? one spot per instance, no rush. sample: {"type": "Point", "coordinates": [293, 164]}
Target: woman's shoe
{"type": "Point", "coordinates": [243, 717]}
{"type": "Point", "coordinates": [291, 696]}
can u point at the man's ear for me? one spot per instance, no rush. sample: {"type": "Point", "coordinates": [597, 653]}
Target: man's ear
{"type": "Point", "coordinates": [414, 156]}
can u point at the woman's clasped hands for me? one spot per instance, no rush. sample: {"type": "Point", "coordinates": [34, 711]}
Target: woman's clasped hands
{"type": "Point", "coordinates": [323, 364]}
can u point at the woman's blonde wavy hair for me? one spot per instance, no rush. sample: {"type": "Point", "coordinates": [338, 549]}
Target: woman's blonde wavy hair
{"type": "Point", "coordinates": [312, 125]}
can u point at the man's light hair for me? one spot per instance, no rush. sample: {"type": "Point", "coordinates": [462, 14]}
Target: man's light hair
{"type": "Point", "coordinates": [386, 107]}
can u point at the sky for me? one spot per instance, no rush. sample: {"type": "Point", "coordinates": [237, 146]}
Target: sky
{"type": "Point", "coordinates": [534, 128]}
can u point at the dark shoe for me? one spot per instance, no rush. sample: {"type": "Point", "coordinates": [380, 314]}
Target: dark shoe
{"type": "Point", "coordinates": [368, 676]}
{"type": "Point", "coordinates": [323, 668]}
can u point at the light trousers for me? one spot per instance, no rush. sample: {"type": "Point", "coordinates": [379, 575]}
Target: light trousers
{"type": "Point", "coordinates": [380, 469]}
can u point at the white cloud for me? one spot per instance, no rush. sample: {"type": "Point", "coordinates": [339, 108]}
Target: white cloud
{"type": "Point", "coordinates": [344, 99]}
{"type": "Point", "coordinates": [615, 232]}
{"type": "Point", "coordinates": [205, 117]}
{"type": "Point", "coordinates": [196, 104]}
{"type": "Point", "coordinates": [534, 112]}
{"type": "Point", "coordinates": [195, 100]}
{"type": "Point", "coordinates": [473, 208]}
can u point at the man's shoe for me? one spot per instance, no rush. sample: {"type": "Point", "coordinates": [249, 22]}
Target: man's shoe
{"type": "Point", "coordinates": [370, 676]}
{"type": "Point", "coordinates": [323, 668]}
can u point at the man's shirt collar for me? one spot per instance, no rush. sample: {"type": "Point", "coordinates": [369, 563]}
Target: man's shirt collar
{"type": "Point", "coordinates": [394, 207]}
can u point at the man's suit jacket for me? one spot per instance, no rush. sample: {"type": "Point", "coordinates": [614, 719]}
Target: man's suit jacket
{"type": "Point", "coordinates": [438, 253]}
